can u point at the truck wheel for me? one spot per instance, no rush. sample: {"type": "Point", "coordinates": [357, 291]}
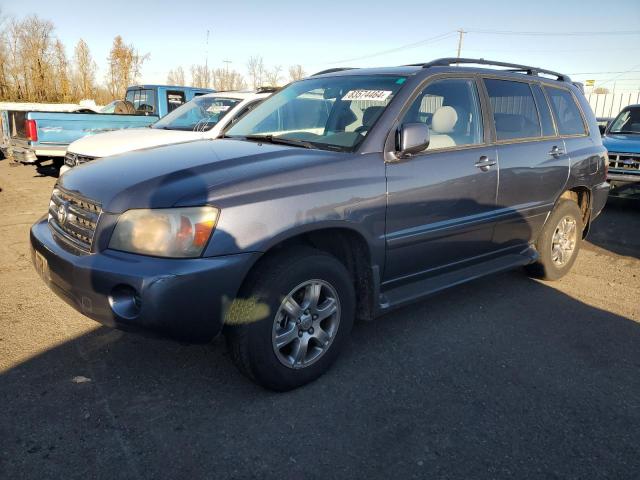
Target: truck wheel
{"type": "Point", "coordinates": [559, 242]}
{"type": "Point", "coordinates": [292, 318]}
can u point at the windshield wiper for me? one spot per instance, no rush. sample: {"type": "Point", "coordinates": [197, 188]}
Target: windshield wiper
{"type": "Point", "coordinates": [280, 140]}
{"type": "Point", "coordinates": [625, 132]}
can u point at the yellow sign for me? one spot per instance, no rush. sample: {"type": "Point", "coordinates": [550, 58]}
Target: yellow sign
{"type": "Point", "coordinates": [590, 83]}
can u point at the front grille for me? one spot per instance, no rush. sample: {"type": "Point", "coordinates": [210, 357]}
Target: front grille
{"type": "Point", "coordinates": [625, 161]}
{"type": "Point", "coordinates": [73, 159]}
{"type": "Point", "coordinates": [73, 219]}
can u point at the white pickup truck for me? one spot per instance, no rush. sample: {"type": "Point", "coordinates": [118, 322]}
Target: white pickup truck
{"type": "Point", "coordinates": [206, 116]}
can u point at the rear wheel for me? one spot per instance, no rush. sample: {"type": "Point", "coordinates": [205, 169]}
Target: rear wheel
{"type": "Point", "coordinates": [559, 242]}
{"type": "Point", "coordinates": [292, 319]}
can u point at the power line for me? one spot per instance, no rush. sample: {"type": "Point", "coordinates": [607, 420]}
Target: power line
{"type": "Point", "coordinates": [397, 49]}
{"type": "Point", "coordinates": [602, 73]}
{"type": "Point", "coordinates": [557, 34]}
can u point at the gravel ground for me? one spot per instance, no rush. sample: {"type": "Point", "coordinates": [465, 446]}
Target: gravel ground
{"type": "Point", "coordinates": [504, 377]}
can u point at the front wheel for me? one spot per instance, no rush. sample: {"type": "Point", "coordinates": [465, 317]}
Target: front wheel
{"type": "Point", "coordinates": [559, 242]}
{"type": "Point", "coordinates": [292, 318]}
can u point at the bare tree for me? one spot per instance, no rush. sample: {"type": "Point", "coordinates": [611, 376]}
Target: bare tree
{"type": "Point", "coordinates": [124, 67]}
{"type": "Point", "coordinates": [62, 73]}
{"type": "Point", "coordinates": [225, 79]}
{"type": "Point", "coordinates": [255, 67]}
{"type": "Point", "coordinates": [85, 71]}
{"type": "Point", "coordinates": [176, 77]}
{"type": "Point", "coordinates": [296, 72]}
{"type": "Point", "coordinates": [200, 76]}
{"type": "Point", "coordinates": [273, 76]}
{"type": "Point", "coordinates": [35, 57]}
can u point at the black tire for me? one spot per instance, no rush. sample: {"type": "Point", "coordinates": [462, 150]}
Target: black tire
{"type": "Point", "coordinates": [250, 325]}
{"type": "Point", "coordinates": [545, 268]}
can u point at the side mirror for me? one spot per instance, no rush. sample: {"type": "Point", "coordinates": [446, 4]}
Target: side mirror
{"type": "Point", "coordinates": [412, 138]}
{"type": "Point", "coordinates": [602, 129]}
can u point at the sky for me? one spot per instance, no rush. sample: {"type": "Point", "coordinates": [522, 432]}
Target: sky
{"type": "Point", "coordinates": [574, 37]}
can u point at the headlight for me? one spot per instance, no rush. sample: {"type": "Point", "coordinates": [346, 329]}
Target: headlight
{"type": "Point", "coordinates": [167, 232]}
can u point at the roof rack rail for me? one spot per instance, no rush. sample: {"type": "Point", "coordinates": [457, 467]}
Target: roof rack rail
{"type": "Point", "coordinates": [514, 67]}
{"type": "Point", "coordinates": [332, 70]}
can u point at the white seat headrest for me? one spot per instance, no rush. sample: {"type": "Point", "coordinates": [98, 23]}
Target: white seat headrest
{"type": "Point", "coordinates": [444, 119]}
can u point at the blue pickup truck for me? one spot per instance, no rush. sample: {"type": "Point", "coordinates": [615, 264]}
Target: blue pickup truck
{"type": "Point", "coordinates": [622, 140]}
{"type": "Point", "coordinates": [34, 135]}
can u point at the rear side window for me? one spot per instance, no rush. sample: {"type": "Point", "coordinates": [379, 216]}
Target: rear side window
{"type": "Point", "coordinates": [514, 110]}
{"type": "Point", "coordinates": [144, 101]}
{"type": "Point", "coordinates": [566, 111]}
{"type": "Point", "coordinates": [545, 114]}
{"type": "Point", "coordinates": [174, 100]}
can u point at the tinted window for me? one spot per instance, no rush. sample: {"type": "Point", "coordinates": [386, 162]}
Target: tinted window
{"type": "Point", "coordinates": [566, 112]}
{"type": "Point", "coordinates": [545, 114]}
{"type": "Point", "coordinates": [451, 110]}
{"type": "Point", "coordinates": [514, 109]}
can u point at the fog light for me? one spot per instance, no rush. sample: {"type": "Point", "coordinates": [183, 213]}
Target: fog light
{"type": "Point", "coordinates": [125, 301]}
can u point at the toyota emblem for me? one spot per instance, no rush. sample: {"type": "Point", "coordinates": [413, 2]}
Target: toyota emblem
{"type": "Point", "coordinates": [62, 213]}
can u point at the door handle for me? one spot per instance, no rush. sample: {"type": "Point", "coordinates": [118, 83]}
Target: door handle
{"type": "Point", "coordinates": [484, 163]}
{"type": "Point", "coordinates": [556, 151]}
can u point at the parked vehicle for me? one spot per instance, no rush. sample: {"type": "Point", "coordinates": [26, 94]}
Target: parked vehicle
{"type": "Point", "coordinates": [206, 116]}
{"type": "Point", "coordinates": [35, 135]}
{"type": "Point", "coordinates": [342, 196]}
{"type": "Point", "coordinates": [622, 140]}
{"type": "Point", "coordinates": [603, 123]}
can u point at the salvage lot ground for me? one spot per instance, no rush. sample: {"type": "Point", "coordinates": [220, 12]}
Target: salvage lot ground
{"type": "Point", "coordinates": [502, 377]}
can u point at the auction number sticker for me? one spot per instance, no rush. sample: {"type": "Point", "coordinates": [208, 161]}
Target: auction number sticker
{"type": "Point", "coordinates": [371, 95]}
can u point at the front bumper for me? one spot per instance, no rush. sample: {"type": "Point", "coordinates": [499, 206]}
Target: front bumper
{"type": "Point", "coordinates": [183, 298]}
{"type": "Point", "coordinates": [624, 184]}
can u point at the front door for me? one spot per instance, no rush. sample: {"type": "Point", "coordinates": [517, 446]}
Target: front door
{"type": "Point", "coordinates": [441, 201]}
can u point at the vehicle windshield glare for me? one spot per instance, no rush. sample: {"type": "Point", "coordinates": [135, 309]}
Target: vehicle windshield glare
{"type": "Point", "coordinates": [333, 113]}
{"type": "Point", "coordinates": [198, 115]}
{"type": "Point", "coordinates": [627, 121]}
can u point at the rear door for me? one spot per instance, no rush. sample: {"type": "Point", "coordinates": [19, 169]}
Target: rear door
{"type": "Point", "coordinates": [441, 202]}
{"type": "Point", "coordinates": [572, 127]}
{"type": "Point", "coordinates": [534, 166]}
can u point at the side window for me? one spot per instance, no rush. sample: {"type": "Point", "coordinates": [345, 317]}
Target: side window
{"type": "Point", "coordinates": [566, 112]}
{"type": "Point", "coordinates": [514, 110]}
{"type": "Point", "coordinates": [144, 101]}
{"type": "Point", "coordinates": [174, 100]}
{"type": "Point", "coordinates": [451, 109]}
{"type": "Point", "coordinates": [545, 114]}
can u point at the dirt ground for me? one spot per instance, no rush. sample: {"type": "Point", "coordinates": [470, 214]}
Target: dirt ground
{"type": "Point", "coordinates": [505, 376]}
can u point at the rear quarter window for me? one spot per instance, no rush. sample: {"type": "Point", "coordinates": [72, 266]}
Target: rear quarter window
{"type": "Point", "coordinates": [566, 111]}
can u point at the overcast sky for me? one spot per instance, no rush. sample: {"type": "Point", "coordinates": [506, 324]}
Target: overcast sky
{"type": "Point", "coordinates": [329, 33]}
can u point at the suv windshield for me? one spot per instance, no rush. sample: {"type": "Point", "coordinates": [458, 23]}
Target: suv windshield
{"type": "Point", "coordinates": [627, 121]}
{"type": "Point", "coordinates": [329, 113]}
{"type": "Point", "coordinates": [198, 115]}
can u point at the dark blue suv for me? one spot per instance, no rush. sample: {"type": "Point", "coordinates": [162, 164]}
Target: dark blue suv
{"type": "Point", "coordinates": [343, 196]}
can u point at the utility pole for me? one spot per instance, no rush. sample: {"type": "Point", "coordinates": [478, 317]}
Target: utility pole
{"type": "Point", "coordinates": [461, 33]}
{"type": "Point", "coordinates": [227, 82]}
{"type": "Point", "coordinates": [206, 52]}
{"type": "Point", "coordinates": [206, 61]}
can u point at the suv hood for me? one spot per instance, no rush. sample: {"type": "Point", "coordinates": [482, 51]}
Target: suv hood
{"type": "Point", "coordinates": [126, 140]}
{"type": "Point", "coordinates": [190, 174]}
{"type": "Point", "coordinates": [622, 143]}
